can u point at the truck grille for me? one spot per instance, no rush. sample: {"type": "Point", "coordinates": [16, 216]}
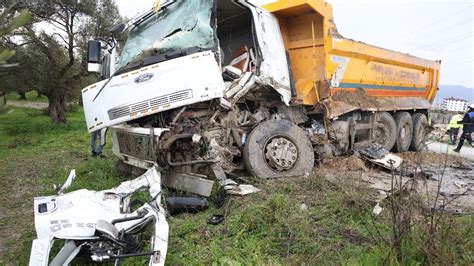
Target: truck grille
{"type": "Point", "coordinates": [149, 104]}
{"type": "Point", "coordinates": [136, 145]}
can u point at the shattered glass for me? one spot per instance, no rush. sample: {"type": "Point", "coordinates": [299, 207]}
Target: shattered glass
{"type": "Point", "coordinates": [181, 25]}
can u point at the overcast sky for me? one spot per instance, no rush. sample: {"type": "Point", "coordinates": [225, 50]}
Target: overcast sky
{"type": "Point", "coordinates": [437, 30]}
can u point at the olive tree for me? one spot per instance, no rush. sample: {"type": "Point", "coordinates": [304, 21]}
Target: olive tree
{"type": "Point", "coordinates": [56, 36]}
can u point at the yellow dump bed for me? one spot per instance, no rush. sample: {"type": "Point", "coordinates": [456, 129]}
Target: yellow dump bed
{"type": "Point", "coordinates": [346, 74]}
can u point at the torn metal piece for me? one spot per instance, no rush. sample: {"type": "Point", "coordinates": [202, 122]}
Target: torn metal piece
{"type": "Point", "coordinates": [377, 154]}
{"type": "Point", "coordinates": [390, 162]}
{"type": "Point", "coordinates": [68, 183]}
{"type": "Point", "coordinates": [219, 173]}
{"type": "Point", "coordinates": [102, 222]}
{"type": "Point", "coordinates": [189, 182]}
{"type": "Point", "coordinates": [240, 190]}
{"type": "Point", "coordinates": [373, 151]}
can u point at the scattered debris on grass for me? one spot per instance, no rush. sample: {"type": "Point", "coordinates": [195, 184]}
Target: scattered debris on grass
{"type": "Point", "coordinates": [427, 169]}
{"type": "Point", "coordinates": [107, 224]}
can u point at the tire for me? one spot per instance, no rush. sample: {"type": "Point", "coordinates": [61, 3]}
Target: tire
{"type": "Point", "coordinates": [420, 122]}
{"type": "Point", "coordinates": [385, 130]}
{"type": "Point", "coordinates": [277, 135]}
{"type": "Point", "coordinates": [404, 131]}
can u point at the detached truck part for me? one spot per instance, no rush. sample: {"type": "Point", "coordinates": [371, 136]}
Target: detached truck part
{"type": "Point", "coordinates": [208, 87]}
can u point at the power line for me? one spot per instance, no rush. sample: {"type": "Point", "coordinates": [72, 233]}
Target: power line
{"type": "Point", "coordinates": [444, 42]}
{"type": "Point", "coordinates": [443, 19]}
{"type": "Point", "coordinates": [459, 58]}
{"type": "Point", "coordinates": [450, 38]}
{"type": "Point", "coordinates": [455, 50]}
{"type": "Point", "coordinates": [460, 62]}
{"type": "Point", "coordinates": [468, 21]}
{"type": "Point", "coordinates": [450, 42]}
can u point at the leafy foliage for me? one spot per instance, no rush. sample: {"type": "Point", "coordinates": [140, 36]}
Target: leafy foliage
{"type": "Point", "coordinates": [9, 21]}
{"type": "Point", "coordinates": [52, 48]}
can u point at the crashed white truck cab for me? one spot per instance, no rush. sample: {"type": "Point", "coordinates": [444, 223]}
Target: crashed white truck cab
{"type": "Point", "coordinates": [225, 88]}
{"type": "Point", "coordinates": [193, 82]}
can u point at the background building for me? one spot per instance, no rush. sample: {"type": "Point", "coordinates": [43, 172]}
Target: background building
{"type": "Point", "coordinates": [456, 105]}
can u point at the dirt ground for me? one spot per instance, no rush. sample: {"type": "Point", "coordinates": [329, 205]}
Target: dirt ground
{"type": "Point", "coordinates": [453, 175]}
{"type": "Point", "coordinates": [34, 105]}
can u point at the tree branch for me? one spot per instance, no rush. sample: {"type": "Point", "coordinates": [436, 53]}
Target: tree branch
{"type": "Point", "coordinates": [60, 36]}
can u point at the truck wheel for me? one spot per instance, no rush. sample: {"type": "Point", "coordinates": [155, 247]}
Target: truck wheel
{"type": "Point", "coordinates": [404, 131]}
{"type": "Point", "coordinates": [420, 122]}
{"type": "Point", "coordinates": [278, 148]}
{"type": "Point", "coordinates": [384, 130]}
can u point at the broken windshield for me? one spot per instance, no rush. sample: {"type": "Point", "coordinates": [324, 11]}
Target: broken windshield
{"type": "Point", "coordinates": [178, 26]}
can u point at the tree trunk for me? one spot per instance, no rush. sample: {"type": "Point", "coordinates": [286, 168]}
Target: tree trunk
{"type": "Point", "coordinates": [22, 95]}
{"type": "Point", "coordinates": [3, 99]}
{"type": "Point", "coordinates": [57, 108]}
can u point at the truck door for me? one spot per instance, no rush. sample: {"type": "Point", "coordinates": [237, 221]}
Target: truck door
{"type": "Point", "coordinates": [274, 64]}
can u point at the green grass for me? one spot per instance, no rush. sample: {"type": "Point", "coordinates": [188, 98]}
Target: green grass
{"type": "Point", "coordinates": [263, 228]}
{"type": "Point", "coordinates": [31, 96]}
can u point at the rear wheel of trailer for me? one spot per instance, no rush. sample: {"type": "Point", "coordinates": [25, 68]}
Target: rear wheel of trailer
{"type": "Point", "coordinates": [384, 131]}
{"type": "Point", "coordinates": [404, 131]}
{"type": "Point", "coordinates": [420, 124]}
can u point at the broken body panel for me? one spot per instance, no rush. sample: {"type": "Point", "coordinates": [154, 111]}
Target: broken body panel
{"type": "Point", "coordinates": [99, 222]}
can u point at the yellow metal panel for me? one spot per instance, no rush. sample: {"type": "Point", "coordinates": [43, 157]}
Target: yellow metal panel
{"type": "Point", "coordinates": [304, 45]}
{"type": "Point", "coordinates": [304, 72]}
{"type": "Point", "coordinates": [368, 52]}
{"type": "Point", "coordinates": [380, 72]}
{"type": "Point", "coordinates": [288, 7]}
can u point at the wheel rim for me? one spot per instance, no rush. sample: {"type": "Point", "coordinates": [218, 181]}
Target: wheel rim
{"type": "Point", "coordinates": [281, 153]}
{"type": "Point", "coordinates": [405, 134]}
{"type": "Point", "coordinates": [420, 140]}
{"type": "Point", "coordinates": [380, 134]}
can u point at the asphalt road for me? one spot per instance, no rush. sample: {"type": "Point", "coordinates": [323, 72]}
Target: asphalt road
{"type": "Point", "coordinates": [466, 151]}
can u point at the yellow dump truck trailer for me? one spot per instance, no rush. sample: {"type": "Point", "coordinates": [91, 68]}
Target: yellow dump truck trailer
{"type": "Point", "coordinates": [217, 87]}
{"type": "Point", "coordinates": [327, 66]}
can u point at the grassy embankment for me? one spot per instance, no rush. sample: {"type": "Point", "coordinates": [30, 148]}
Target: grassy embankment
{"type": "Point", "coordinates": [265, 228]}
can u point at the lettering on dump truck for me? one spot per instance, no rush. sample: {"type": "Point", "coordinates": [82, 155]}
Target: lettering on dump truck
{"type": "Point", "coordinates": [390, 73]}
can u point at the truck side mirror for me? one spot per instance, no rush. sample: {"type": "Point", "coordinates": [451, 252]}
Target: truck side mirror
{"type": "Point", "coordinates": [93, 56]}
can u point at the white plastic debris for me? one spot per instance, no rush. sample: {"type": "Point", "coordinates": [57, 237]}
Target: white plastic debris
{"type": "Point", "coordinates": [241, 189]}
{"type": "Point", "coordinates": [459, 184]}
{"type": "Point", "coordinates": [68, 183]}
{"type": "Point", "coordinates": [100, 220]}
{"type": "Point", "coordinates": [390, 161]}
{"type": "Point", "coordinates": [377, 210]}
{"type": "Point", "coordinates": [303, 207]}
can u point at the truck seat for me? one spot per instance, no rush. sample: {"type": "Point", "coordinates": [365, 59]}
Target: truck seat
{"type": "Point", "coordinates": [244, 60]}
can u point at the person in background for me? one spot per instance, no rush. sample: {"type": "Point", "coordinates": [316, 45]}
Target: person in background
{"type": "Point", "coordinates": [454, 127]}
{"type": "Point", "coordinates": [97, 145]}
{"type": "Point", "coordinates": [468, 128]}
